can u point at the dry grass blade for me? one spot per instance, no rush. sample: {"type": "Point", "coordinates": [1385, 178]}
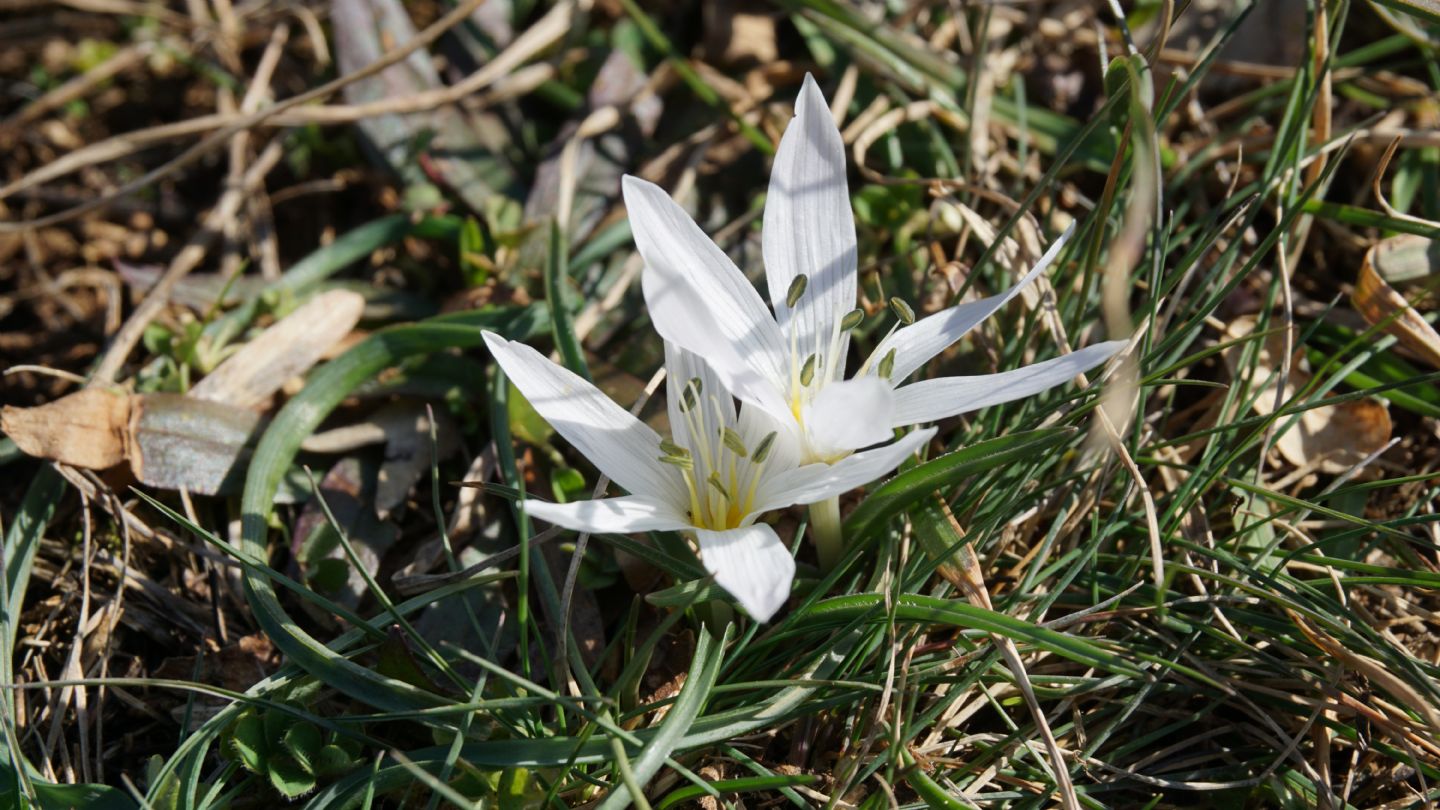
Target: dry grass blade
{"type": "Point", "coordinates": [972, 581]}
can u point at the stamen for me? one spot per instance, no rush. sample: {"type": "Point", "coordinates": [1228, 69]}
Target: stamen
{"type": "Point", "coordinates": [683, 462]}
{"type": "Point", "coordinates": [670, 448]}
{"type": "Point", "coordinates": [690, 394]}
{"type": "Point", "coordinates": [762, 450]}
{"type": "Point", "coordinates": [714, 481]}
{"type": "Point", "coordinates": [797, 289]}
{"type": "Point", "coordinates": [902, 311]}
{"type": "Point", "coordinates": [852, 319]}
{"type": "Point", "coordinates": [695, 511]}
{"type": "Point", "coordinates": [807, 372]}
{"type": "Point", "coordinates": [732, 440]}
{"type": "Point", "coordinates": [887, 364]}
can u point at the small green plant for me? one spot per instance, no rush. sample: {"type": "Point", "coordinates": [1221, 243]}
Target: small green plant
{"type": "Point", "coordinates": [291, 753]}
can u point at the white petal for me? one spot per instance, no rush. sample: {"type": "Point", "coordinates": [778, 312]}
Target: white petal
{"type": "Point", "coordinates": [618, 444]}
{"type": "Point", "coordinates": [631, 513]}
{"type": "Point", "coordinates": [850, 415]}
{"type": "Point", "coordinates": [928, 400]}
{"type": "Point", "coordinates": [915, 344]}
{"type": "Point", "coordinates": [809, 228]}
{"type": "Point", "coordinates": [755, 424]}
{"type": "Point", "coordinates": [681, 367]}
{"type": "Point", "coordinates": [698, 299]}
{"type": "Point", "coordinates": [752, 564]}
{"type": "Point", "coordinates": [816, 482]}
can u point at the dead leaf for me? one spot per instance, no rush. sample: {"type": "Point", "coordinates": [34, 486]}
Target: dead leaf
{"type": "Point", "coordinates": [740, 32]}
{"type": "Point", "coordinates": [177, 442]}
{"type": "Point", "coordinates": [87, 429]}
{"type": "Point", "coordinates": [1332, 438]}
{"type": "Point", "coordinates": [460, 148]}
{"type": "Point", "coordinates": [286, 349]}
{"type": "Point", "coordinates": [600, 161]}
{"type": "Point", "coordinates": [171, 441]}
{"type": "Point", "coordinates": [1398, 259]}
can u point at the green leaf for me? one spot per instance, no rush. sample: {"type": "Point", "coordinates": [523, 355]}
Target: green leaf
{"type": "Point", "coordinates": [926, 609]}
{"type": "Point", "coordinates": [275, 725]}
{"type": "Point", "coordinates": [515, 789]}
{"type": "Point", "coordinates": [332, 761]}
{"type": "Point", "coordinates": [562, 326]}
{"type": "Point", "coordinates": [473, 253]}
{"type": "Point", "coordinates": [683, 797]}
{"type": "Point", "coordinates": [568, 485]}
{"type": "Point", "coordinates": [90, 797]}
{"type": "Point", "coordinates": [247, 742]}
{"type": "Point", "coordinates": [304, 742]}
{"type": "Point", "coordinates": [703, 672]}
{"type": "Point", "coordinates": [326, 388]}
{"type": "Point", "coordinates": [290, 777]}
{"type": "Point", "coordinates": [1427, 10]}
{"type": "Point", "coordinates": [905, 489]}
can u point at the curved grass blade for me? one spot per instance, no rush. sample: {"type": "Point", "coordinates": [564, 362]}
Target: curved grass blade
{"type": "Point", "coordinates": [671, 732]}
{"type": "Point", "coordinates": [905, 489]}
{"type": "Point", "coordinates": [327, 387]}
{"type": "Point", "coordinates": [930, 610]}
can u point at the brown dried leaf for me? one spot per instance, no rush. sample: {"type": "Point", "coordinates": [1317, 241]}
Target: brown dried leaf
{"type": "Point", "coordinates": [1399, 258]}
{"type": "Point", "coordinates": [171, 441]}
{"type": "Point", "coordinates": [740, 32]}
{"type": "Point", "coordinates": [87, 429]}
{"type": "Point", "coordinates": [1332, 438]}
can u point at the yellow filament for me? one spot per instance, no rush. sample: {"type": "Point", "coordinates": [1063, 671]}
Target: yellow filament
{"type": "Point", "coordinates": [722, 484]}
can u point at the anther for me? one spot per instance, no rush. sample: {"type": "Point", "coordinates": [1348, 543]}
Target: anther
{"type": "Point", "coordinates": [690, 395]}
{"type": "Point", "coordinates": [683, 462]}
{"type": "Point", "coordinates": [852, 319]}
{"type": "Point", "coordinates": [714, 481]}
{"type": "Point", "coordinates": [732, 441]}
{"type": "Point", "coordinates": [797, 289]}
{"type": "Point", "coordinates": [902, 311]}
{"type": "Point", "coordinates": [807, 372]}
{"type": "Point", "coordinates": [887, 364]}
{"type": "Point", "coordinates": [762, 450]}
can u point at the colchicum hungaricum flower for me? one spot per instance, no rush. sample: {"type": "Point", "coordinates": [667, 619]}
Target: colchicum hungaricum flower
{"type": "Point", "coordinates": [792, 363]}
{"type": "Point", "coordinates": [716, 474]}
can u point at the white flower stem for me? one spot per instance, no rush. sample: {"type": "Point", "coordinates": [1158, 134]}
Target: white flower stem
{"type": "Point", "coordinates": [825, 531]}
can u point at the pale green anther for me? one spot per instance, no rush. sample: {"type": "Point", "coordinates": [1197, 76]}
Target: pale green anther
{"type": "Point", "coordinates": [852, 319]}
{"type": "Point", "coordinates": [683, 462]}
{"type": "Point", "coordinates": [762, 450]}
{"type": "Point", "coordinates": [714, 481]}
{"type": "Point", "coordinates": [797, 289]}
{"type": "Point", "coordinates": [670, 448]}
{"type": "Point", "coordinates": [887, 364]}
{"type": "Point", "coordinates": [902, 311]}
{"type": "Point", "coordinates": [732, 441]}
{"type": "Point", "coordinates": [807, 371]}
{"type": "Point", "coordinates": [690, 395]}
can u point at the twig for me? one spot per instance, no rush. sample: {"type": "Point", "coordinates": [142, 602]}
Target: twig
{"type": "Point", "coordinates": [188, 259]}
{"type": "Point", "coordinates": [521, 81]}
{"type": "Point", "coordinates": [496, 67]}
{"type": "Point", "coordinates": [77, 87]}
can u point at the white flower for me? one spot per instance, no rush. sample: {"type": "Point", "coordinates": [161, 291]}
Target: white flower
{"type": "Point", "coordinates": [791, 364]}
{"type": "Point", "coordinates": [713, 478]}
